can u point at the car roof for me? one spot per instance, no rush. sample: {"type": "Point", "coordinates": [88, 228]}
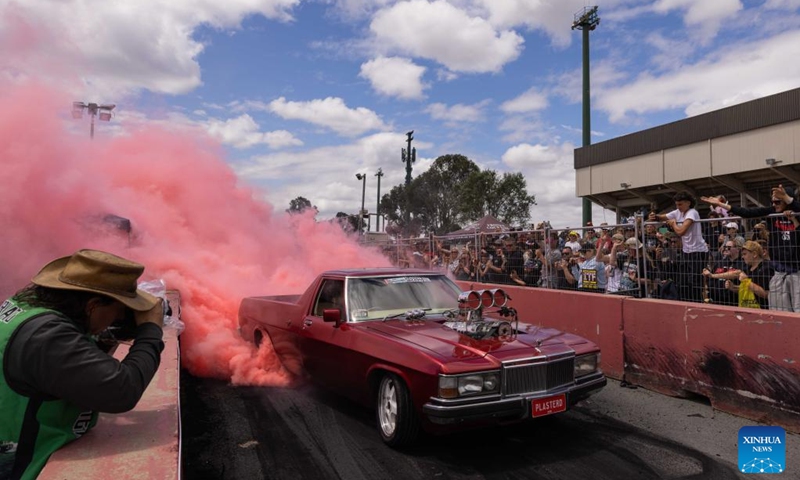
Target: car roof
{"type": "Point", "coordinates": [379, 271]}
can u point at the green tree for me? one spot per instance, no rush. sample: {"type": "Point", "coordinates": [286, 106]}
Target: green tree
{"type": "Point", "coordinates": [436, 193]}
{"type": "Point", "coordinates": [299, 205]}
{"type": "Point", "coordinates": [504, 197]}
{"type": "Point", "coordinates": [455, 191]}
{"type": "Point", "coordinates": [513, 203]}
{"type": "Point", "coordinates": [349, 223]}
{"type": "Point", "coordinates": [394, 205]}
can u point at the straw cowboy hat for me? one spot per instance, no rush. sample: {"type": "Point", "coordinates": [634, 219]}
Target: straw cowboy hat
{"type": "Point", "coordinates": [98, 272]}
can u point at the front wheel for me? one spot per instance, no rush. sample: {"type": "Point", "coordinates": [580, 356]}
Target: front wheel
{"type": "Point", "coordinates": [397, 421]}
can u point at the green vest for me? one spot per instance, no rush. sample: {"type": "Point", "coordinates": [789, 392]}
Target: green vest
{"type": "Point", "coordinates": [31, 428]}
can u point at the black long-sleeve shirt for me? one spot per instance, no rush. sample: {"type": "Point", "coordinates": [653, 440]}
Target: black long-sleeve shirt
{"type": "Point", "coordinates": [51, 356]}
{"type": "Point", "coordinates": [784, 238]}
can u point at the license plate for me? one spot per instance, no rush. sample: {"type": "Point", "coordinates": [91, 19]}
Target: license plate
{"type": "Point", "coordinates": [548, 405]}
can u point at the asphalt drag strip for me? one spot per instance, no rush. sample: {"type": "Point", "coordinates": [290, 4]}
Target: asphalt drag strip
{"type": "Point", "coordinates": [306, 432]}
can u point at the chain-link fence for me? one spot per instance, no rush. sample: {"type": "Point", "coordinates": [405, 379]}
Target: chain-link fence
{"type": "Point", "coordinates": [731, 261]}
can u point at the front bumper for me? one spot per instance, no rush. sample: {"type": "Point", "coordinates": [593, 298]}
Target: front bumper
{"type": "Point", "coordinates": [443, 412]}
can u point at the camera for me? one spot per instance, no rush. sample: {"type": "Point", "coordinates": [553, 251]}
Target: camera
{"type": "Point", "coordinates": [124, 329]}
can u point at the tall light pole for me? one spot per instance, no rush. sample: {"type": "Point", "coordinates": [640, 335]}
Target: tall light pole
{"type": "Point", "coordinates": [409, 156]}
{"type": "Point", "coordinates": [378, 209]}
{"type": "Point", "coordinates": [363, 178]}
{"type": "Point", "coordinates": [103, 112]}
{"type": "Point", "coordinates": [586, 20]}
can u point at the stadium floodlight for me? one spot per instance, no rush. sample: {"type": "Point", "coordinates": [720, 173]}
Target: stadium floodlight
{"type": "Point", "coordinates": [103, 112]}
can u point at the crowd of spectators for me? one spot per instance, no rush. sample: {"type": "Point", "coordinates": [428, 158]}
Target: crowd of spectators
{"type": "Point", "coordinates": [672, 255]}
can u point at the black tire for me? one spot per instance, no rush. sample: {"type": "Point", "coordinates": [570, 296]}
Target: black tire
{"type": "Point", "coordinates": [397, 421]}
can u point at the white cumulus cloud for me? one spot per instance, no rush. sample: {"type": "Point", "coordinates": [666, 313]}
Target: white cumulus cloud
{"type": "Point", "coordinates": [331, 113]}
{"type": "Point", "coordinates": [244, 132]}
{"type": "Point", "coordinates": [394, 77]}
{"type": "Point", "coordinates": [446, 34]}
{"type": "Point", "coordinates": [738, 73]}
{"type": "Point", "coordinates": [531, 100]}
{"type": "Point", "coordinates": [114, 48]}
{"type": "Point", "coordinates": [457, 113]}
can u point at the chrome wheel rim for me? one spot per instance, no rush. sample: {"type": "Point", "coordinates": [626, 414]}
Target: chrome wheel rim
{"type": "Point", "coordinates": [387, 409]}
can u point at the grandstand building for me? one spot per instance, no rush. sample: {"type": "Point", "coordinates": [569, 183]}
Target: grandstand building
{"type": "Point", "coordinates": [740, 151]}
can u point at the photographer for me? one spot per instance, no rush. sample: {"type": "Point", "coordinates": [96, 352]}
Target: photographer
{"type": "Point", "coordinates": [55, 378]}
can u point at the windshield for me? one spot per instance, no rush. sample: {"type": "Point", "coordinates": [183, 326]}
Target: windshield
{"type": "Point", "coordinates": [377, 298]}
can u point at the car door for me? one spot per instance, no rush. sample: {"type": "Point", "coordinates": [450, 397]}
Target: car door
{"type": "Point", "coordinates": [325, 345]}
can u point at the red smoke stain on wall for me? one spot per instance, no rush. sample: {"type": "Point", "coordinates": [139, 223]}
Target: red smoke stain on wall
{"type": "Point", "coordinates": [194, 224]}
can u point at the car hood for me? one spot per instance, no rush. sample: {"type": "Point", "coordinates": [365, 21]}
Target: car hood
{"type": "Point", "coordinates": [453, 347]}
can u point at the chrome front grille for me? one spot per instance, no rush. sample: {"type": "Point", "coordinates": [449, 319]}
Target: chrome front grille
{"type": "Point", "coordinates": [538, 377]}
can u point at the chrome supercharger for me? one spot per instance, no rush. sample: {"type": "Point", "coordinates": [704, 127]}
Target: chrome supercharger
{"type": "Point", "coordinates": [470, 320]}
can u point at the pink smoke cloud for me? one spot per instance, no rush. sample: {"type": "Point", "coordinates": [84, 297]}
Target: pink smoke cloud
{"type": "Point", "coordinates": [194, 224]}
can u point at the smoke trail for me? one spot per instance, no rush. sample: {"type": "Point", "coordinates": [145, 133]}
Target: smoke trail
{"type": "Point", "coordinates": [194, 224]}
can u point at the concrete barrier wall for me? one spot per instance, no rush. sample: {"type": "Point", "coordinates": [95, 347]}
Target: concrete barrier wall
{"type": "Point", "coordinates": [143, 443]}
{"type": "Point", "coordinates": [745, 361]}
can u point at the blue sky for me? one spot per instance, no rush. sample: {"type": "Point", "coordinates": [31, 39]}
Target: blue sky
{"type": "Point", "coordinates": [305, 94]}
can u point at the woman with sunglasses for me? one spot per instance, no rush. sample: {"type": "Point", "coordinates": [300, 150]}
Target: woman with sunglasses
{"type": "Point", "coordinates": [783, 244]}
{"type": "Point", "coordinates": [726, 268]}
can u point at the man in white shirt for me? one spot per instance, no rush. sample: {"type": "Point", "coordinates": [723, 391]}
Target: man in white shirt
{"type": "Point", "coordinates": [684, 221]}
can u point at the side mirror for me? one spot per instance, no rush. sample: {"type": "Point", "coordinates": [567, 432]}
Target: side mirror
{"type": "Point", "coordinates": [332, 315]}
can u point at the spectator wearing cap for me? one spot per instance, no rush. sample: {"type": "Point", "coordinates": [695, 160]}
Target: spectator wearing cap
{"type": "Point", "coordinates": [563, 265]}
{"type": "Point", "coordinates": [783, 244]}
{"type": "Point", "coordinates": [497, 269]}
{"type": "Point", "coordinates": [613, 273]}
{"type": "Point", "coordinates": [727, 268]}
{"type": "Point", "coordinates": [631, 269]}
{"type": "Point", "coordinates": [636, 266]}
{"type": "Point", "coordinates": [732, 232]}
{"type": "Point", "coordinates": [587, 273]}
{"type": "Point", "coordinates": [760, 232]}
{"type": "Point", "coordinates": [604, 242]}
{"type": "Point", "coordinates": [684, 221]}
{"type": "Point", "coordinates": [651, 239]}
{"type": "Point", "coordinates": [573, 241]}
{"type": "Point", "coordinates": [590, 234]}
{"type": "Point", "coordinates": [550, 258]}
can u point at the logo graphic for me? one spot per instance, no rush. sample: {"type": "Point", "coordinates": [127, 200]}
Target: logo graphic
{"type": "Point", "coordinates": [82, 423]}
{"type": "Point", "coordinates": [762, 450]}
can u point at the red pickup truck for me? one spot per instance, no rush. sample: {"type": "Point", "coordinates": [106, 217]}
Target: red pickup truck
{"type": "Point", "coordinates": [423, 353]}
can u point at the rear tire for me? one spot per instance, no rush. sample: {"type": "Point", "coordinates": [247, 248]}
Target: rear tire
{"type": "Point", "coordinates": [397, 421]}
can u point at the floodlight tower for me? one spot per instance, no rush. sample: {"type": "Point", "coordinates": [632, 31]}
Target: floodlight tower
{"type": "Point", "coordinates": [378, 209]}
{"type": "Point", "coordinates": [409, 156]}
{"type": "Point", "coordinates": [363, 178]}
{"type": "Point", "coordinates": [103, 112]}
{"type": "Point", "coordinates": [586, 20]}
